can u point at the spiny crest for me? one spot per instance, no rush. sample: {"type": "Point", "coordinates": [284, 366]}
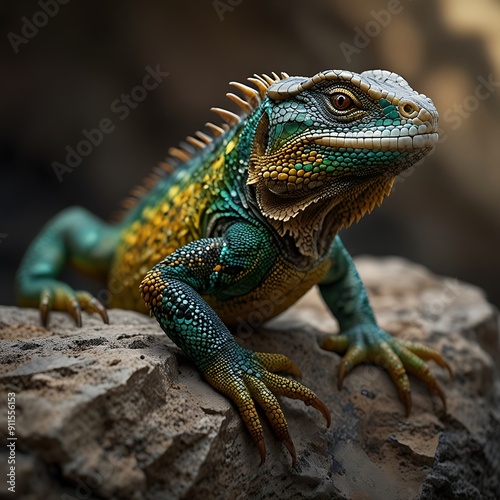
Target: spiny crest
{"type": "Point", "coordinates": [248, 100]}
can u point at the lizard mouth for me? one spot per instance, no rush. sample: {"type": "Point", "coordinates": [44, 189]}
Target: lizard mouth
{"type": "Point", "coordinates": [299, 186]}
{"type": "Point", "coordinates": [379, 142]}
{"type": "Point", "coordinates": [312, 161]}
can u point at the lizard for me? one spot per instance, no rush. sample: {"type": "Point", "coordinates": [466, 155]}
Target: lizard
{"type": "Point", "coordinates": [245, 214]}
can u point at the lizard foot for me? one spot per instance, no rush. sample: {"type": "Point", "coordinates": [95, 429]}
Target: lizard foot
{"type": "Point", "coordinates": [64, 298]}
{"type": "Point", "coordinates": [246, 376]}
{"type": "Point", "coordinates": [368, 342]}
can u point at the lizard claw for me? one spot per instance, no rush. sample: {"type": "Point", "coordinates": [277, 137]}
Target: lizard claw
{"type": "Point", "coordinates": [261, 447]}
{"type": "Point", "coordinates": [45, 306]}
{"type": "Point", "coordinates": [74, 309]}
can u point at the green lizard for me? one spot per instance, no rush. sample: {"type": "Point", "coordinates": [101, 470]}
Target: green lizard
{"type": "Point", "coordinates": [250, 218]}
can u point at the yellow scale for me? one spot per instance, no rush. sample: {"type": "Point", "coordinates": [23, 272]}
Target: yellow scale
{"type": "Point", "coordinates": [159, 231]}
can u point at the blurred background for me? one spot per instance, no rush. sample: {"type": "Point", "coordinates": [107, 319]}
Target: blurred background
{"type": "Point", "coordinates": [65, 67]}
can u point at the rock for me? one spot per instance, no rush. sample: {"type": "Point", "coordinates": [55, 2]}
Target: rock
{"type": "Point", "coordinates": [118, 411]}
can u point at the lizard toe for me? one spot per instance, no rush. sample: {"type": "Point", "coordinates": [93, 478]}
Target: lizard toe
{"type": "Point", "coordinates": [279, 363]}
{"type": "Point", "coordinates": [267, 400]}
{"type": "Point", "coordinates": [416, 365]}
{"type": "Point", "coordinates": [91, 304]}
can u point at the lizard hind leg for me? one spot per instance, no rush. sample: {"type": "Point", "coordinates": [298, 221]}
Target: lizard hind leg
{"type": "Point", "coordinates": [75, 238]}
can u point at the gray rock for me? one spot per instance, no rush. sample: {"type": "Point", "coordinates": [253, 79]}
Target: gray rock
{"type": "Point", "coordinates": [118, 411]}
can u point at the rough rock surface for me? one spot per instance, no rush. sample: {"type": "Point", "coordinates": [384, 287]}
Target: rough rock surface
{"type": "Point", "coordinates": [118, 412]}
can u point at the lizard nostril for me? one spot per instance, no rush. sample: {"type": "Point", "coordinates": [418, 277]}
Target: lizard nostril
{"type": "Point", "coordinates": [408, 109]}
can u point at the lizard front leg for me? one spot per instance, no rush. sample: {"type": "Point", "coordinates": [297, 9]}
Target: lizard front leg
{"type": "Point", "coordinates": [225, 266]}
{"type": "Point", "coordinates": [360, 337]}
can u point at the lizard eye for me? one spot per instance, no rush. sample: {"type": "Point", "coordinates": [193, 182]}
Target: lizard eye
{"type": "Point", "coordinates": [340, 101]}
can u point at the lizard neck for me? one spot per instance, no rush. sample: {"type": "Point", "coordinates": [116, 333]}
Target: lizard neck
{"type": "Point", "coordinates": [313, 222]}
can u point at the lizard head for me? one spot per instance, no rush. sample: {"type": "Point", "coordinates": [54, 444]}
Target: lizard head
{"type": "Point", "coordinates": [328, 148]}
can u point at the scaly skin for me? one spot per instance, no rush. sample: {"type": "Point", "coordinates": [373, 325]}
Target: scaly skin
{"type": "Point", "coordinates": [247, 225]}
